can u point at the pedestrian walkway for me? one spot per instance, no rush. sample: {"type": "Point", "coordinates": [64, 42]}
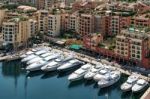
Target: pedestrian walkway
{"type": "Point", "coordinates": [146, 95]}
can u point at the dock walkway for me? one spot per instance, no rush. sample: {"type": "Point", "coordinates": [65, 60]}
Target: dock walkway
{"type": "Point", "coordinates": [146, 95]}
{"type": "Point", "coordinates": [92, 60]}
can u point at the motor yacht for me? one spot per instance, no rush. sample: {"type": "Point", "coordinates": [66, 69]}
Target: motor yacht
{"type": "Point", "coordinates": [140, 85]}
{"type": "Point", "coordinates": [26, 54]}
{"type": "Point", "coordinates": [41, 52]}
{"type": "Point", "coordinates": [28, 58]}
{"type": "Point", "coordinates": [129, 83]}
{"type": "Point", "coordinates": [36, 66]}
{"type": "Point", "coordinates": [53, 65]}
{"type": "Point", "coordinates": [79, 74]}
{"type": "Point", "coordinates": [109, 79]}
{"type": "Point", "coordinates": [52, 56]}
{"type": "Point", "coordinates": [101, 74]}
{"type": "Point", "coordinates": [92, 72]}
{"type": "Point", "coordinates": [46, 54]}
{"type": "Point", "coordinates": [70, 64]}
{"type": "Point", "coordinates": [34, 60]}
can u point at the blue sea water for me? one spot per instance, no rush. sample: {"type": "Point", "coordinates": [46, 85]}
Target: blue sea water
{"type": "Point", "coordinates": [16, 83]}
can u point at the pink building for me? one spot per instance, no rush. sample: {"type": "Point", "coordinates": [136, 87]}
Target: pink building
{"type": "Point", "coordinates": [141, 21]}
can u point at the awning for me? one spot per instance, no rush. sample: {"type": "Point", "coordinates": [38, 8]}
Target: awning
{"type": "Point", "coordinates": [75, 46]}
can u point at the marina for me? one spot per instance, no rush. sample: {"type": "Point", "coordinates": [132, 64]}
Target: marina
{"type": "Point", "coordinates": [23, 85]}
{"type": "Point", "coordinates": [78, 65]}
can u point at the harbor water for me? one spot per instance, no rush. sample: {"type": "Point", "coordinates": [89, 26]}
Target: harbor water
{"type": "Point", "coordinates": [16, 83]}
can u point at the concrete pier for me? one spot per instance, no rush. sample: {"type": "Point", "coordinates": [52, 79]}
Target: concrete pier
{"type": "Point", "coordinates": [92, 60]}
{"type": "Point", "coordinates": [146, 95]}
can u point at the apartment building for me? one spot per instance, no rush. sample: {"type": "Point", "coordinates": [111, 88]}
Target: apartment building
{"type": "Point", "coordinates": [73, 22]}
{"type": "Point", "coordinates": [40, 4]}
{"type": "Point", "coordinates": [54, 23]}
{"type": "Point", "coordinates": [42, 21]}
{"type": "Point", "coordinates": [115, 25]}
{"type": "Point", "coordinates": [133, 44]}
{"type": "Point", "coordinates": [141, 21]}
{"type": "Point", "coordinates": [10, 31]}
{"type": "Point", "coordinates": [86, 24]}
{"type": "Point", "coordinates": [17, 31]}
{"type": "Point", "coordinates": [2, 15]}
{"type": "Point", "coordinates": [32, 27]}
{"type": "Point", "coordinates": [100, 24]}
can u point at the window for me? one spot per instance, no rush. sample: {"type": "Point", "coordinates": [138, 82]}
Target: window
{"type": "Point", "coordinates": [133, 55]}
{"type": "Point", "coordinates": [138, 56]}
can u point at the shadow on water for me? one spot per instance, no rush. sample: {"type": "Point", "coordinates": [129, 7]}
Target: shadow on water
{"type": "Point", "coordinates": [76, 83]}
{"type": "Point", "coordinates": [95, 85]}
{"type": "Point", "coordinates": [109, 89]}
{"type": "Point", "coordinates": [34, 73]}
{"type": "Point", "coordinates": [12, 69]}
{"type": "Point", "coordinates": [89, 82]}
{"type": "Point", "coordinates": [130, 95]}
{"type": "Point", "coordinates": [49, 74]}
{"type": "Point", "coordinates": [126, 95]}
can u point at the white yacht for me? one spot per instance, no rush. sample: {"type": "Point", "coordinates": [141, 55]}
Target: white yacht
{"type": "Point", "coordinates": [109, 79]}
{"type": "Point", "coordinates": [26, 54]}
{"type": "Point", "coordinates": [53, 65]}
{"type": "Point", "coordinates": [101, 74]}
{"type": "Point", "coordinates": [129, 83]}
{"type": "Point", "coordinates": [41, 52]}
{"type": "Point", "coordinates": [140, 85]}
{"type": "Point", "coordinates": [46, 54]}
{"type": "Point", "coordinates": [79, 74]}
{"type": "Point", "coordinates": [34, 60]}
{"type": "Point", "coordinates": [92, 72]}
{"type": "Point", "coordinates": [52, 56]}
{"type": "Point", "coordinates": [28, 58]}
{"type": "Point", "coordinates": [70, 64]}
{"type": "Point", "coordinates": [36, 66]}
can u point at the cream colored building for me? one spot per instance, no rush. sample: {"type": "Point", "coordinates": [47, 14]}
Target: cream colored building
{"type": "Point", "coordinates": [32, 27]}
{"type": "Point", "coordinates": [2, 15]}
{"type": "Point", "coordinates": [42, 21]}
{"type": "Point", "coordinates": [73, 22]}
{"type": "Point", "coordinates": [17, 31]}
{"type": "Point", "coordinates": [86, 24]}
{"type": "Point", "coordinates": [54, 23]}
{"type": "Point", "coordinates": [10, 32]}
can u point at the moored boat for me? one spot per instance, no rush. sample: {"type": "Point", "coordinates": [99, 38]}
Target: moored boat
{"type": "Point", "coordinates": [109, 79]}
{"type": "Point", "coordinates": [129, 83]}
{"type": "Point", "coordinates": [70, 64]}
{"type": "Point", "coordinates": [79, 74]}
{"type": "Point", "coordinates": [53, 65]}
{"type": "Point", "coordinates": [36, 66]}
{"type": "Point", "coordinates": [140, 85]}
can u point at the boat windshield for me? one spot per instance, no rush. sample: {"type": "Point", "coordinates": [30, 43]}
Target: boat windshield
{"type": "Point", "coordinates": [129, 81]}
{"type": "Point", "coordinates": [141, 82]}
{"type": "Point", "coordinates": [73, 61]}
{"type": "Point", "coordinates": [86, 66]}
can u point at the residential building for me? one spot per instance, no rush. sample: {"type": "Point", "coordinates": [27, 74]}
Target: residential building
{"type": "Point", "coordinates": [54, 23]}
{"type": "Point", "coordinates": [17, 31]}
{"type": "Point", "coordinates": [32, 27]}
{"type": "Point", "coordinates": [86, 24]}
{"type": "Point", "coordinates": [42, 21]}
{"type": "Point", "coordinates": [133, 44]}
{"type": "Point", "coordinates": [10, 31]}
{"type": "Point", "coordinates": [115, 25]}
{"type": "Point", "coordinates": [141, 21]}
{"type": "Point", "coordinates": [40, 4]}
{"type": "Point", "coordinates": [2, 15]}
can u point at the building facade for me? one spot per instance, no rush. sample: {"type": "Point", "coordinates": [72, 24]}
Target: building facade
{"type": "Point", "coordinates": [54, 23]}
